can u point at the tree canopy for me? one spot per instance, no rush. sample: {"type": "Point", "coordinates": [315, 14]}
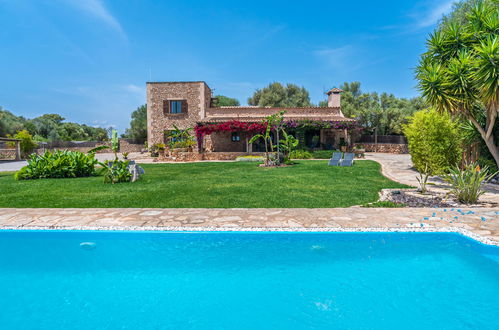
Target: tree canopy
{"type": "Point", "coordinates": [138, 124]}
{"type": "Point", "coordinates": [225, 101]}
{"type": "Point", "coordinates": [459, 72]}
{"type": "Point", "coordinates": [384, 112]}
{"type": "Point", "coordinates": [49, 127]}
{"type": "Point", "coordinates": [277, 95]}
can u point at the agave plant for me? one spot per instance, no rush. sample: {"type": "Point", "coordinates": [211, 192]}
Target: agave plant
{"type": "Point", "coordinates": [467, 183]}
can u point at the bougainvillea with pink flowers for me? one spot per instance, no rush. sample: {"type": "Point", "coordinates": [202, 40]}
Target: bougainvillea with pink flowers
{"type": "Point", "coordinates": [202, 129]}
{"type": "Point", "coordinates": [229, 126]}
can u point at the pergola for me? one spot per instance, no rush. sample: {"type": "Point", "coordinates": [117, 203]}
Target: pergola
{"type": "Point", "coordinates": [18, 145]}
{"type": "Point", "coordinates": [208, 127]}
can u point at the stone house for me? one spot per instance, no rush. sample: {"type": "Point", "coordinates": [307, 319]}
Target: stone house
{"type": "Point", "coordinates": [190, 104]}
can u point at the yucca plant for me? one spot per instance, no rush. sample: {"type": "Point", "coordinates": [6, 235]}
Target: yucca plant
{"type": "Point", "coordinates": [467, 183]}
{"type": "Point", "coordinates": [459, 73]}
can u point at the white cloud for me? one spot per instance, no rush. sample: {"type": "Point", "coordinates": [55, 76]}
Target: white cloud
{"type": "Point", "coordinates": [134, 89]}
{"type": "Point", "coordinates": [432, 14]}
{"type": "Point", "coordinates": [336, 58]}
{"type": "Point", "coordinates": [97, 9]}
{"type": "Point", "coordinates": [103, 124]}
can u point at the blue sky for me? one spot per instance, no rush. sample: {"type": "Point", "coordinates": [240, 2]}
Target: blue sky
{"type": "Point", "coordinates": [88, 60]}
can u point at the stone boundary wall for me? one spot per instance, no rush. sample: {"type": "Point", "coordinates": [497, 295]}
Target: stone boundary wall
{"type": "Point", "coordinates": [81, 149]}
{"type": "Point", "coordinates": [390, 148]}
{"type": "Point", "coordinates": [8, 154]}
{"type": "Point", "coordinates": [125, 146]}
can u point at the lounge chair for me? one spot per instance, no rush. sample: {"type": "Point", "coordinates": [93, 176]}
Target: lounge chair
{"type": "Point", "coordinates": [336, 159]}
{"type": "Point", "coordinates": [348, 159]}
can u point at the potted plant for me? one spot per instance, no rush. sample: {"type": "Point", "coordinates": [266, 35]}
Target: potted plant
{"type": "Point", "coordinates": [359, 150]}
{"type": "Point", "coordinates": [343, 146]}
{"type": "Point", "coordinates": [184, 145]}
{"type": "Point", "coordinates": [156, 148]}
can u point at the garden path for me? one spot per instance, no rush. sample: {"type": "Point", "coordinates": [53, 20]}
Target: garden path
{"type": "Point", "coordinates": [398, 167]}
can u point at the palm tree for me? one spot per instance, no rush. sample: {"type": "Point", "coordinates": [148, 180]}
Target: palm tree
{"type": "Point", "coordinates": [459, 72]}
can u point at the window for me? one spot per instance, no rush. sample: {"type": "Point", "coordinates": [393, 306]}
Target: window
{"type": "Point", "coordinates": [235, 137]}
{"type": "Point", "coordinates": [175, 106]}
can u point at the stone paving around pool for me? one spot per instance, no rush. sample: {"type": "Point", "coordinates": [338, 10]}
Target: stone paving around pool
{"type": "Point", "coordinates": [480, 223]}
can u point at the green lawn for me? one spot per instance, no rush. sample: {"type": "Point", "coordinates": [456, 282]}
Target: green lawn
{"type": "Point", "coordinates": [226, 185]}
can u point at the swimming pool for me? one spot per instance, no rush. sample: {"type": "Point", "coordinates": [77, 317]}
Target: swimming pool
{"type": "Point", "coordinates": [221, 280]}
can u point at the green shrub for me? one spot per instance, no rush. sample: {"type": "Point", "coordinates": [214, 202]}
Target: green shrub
{"type": "Point", "coordinates": [27, 144]}
{"type": "Point", "coordinates": [434, 141]}
{"type": "Point", "coordinates": [322, 154]}
{"type": "Point", "coordinates": [466, 183]}
{"type": "Point", "coordinates": [489, 163]}
{"type": "Point", "coordinates": [58, 164]}
{"type": "Point", "coordinates": [300, 154]}
{"type": "Point", "coordinates": [117, 172]}
{"type": "Point", "coordinates": [156, 149]}
{"type": "Point", "coordinates": [249, 159]}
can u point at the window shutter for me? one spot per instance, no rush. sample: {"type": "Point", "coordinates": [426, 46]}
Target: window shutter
{"type": "Point", "coordinates": [184, 106]}
{"type": "Point", "coordinates": [166, 106]}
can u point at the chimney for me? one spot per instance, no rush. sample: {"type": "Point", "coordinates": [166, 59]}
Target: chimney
{"type": "Point", "coordinates": [333, 98]}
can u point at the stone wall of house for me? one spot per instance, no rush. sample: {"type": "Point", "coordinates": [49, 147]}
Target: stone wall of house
{"type": "Point", "coordinates": [332, 137]}
{"type": "Point", "coordinates": [196, 96]}
{"type": "Point", "coordinates": [391, 148]}
{"type": "Point", "coordinates": [222, 142]}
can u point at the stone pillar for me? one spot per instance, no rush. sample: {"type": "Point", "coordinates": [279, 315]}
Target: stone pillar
{"type": "Point", "coordinates": [18, 150]}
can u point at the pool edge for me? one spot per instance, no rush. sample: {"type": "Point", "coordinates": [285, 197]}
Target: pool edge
{"type": "Point", "coordinates": [467, 233]}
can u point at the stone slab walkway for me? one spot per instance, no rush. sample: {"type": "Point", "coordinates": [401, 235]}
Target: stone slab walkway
{"type": "Point", "coordinates": [398, 167]}
{"type": "Point", "coordinates": [481, 224]}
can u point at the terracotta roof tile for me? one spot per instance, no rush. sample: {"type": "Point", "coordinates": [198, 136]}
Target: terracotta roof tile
{"type": "Point", "coordinates": [271, 108]}
{"type": "Point", "coordinates": [334, 90]}
{"type": "Point", "coordinates": [258, 119]}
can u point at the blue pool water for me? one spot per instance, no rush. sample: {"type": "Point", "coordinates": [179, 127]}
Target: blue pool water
{"type": "Point", "coordinates": [132, 280]}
